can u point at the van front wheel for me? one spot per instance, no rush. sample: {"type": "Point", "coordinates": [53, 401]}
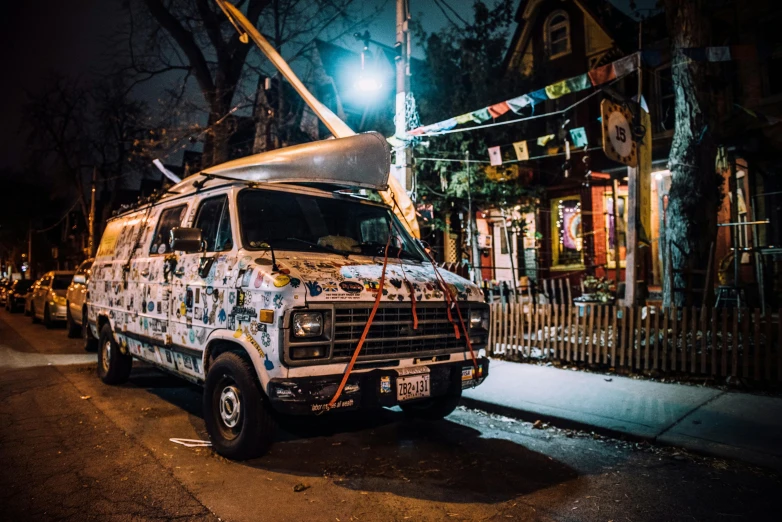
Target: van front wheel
{"type": "Point", "coordinates": [236, 416]}
{"type": "Point", "coordinates": [113, 365]}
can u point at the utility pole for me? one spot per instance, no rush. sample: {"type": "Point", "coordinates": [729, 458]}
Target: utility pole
{"type": "Point", "coordinates": [91, 244]}
{"type": "Point", "coordinates": [401, 168]}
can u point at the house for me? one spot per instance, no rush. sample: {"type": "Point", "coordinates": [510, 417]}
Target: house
{"type": "Point", "coordinates": [574, 231]}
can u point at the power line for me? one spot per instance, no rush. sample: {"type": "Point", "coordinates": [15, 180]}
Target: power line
{"type": "Point", "coordinates": [61, 219]}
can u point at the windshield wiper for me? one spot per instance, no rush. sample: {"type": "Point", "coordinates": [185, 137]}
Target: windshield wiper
{"type": "Point", "coordinates": [318, 245]}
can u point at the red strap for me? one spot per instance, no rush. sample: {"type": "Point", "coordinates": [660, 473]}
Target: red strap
{"type": "Point", "coordinates": [366, 329]}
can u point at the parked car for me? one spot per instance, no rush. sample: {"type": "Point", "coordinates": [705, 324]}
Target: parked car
{"type": "Point", "coordinates": [28, 298]}
{"type": "Point", "coordinates": [76, 301]}
{"type": "Point", "coordinates": [5, 284]}
{"type": "Point", "coordinates": [48, 301]}
{"type": "Point", "coordinates": [17, 294]}
{"type": "Point", "coordinates": [260, 292]}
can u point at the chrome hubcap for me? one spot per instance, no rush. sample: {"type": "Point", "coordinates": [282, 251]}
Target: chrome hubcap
{"type": "Point", "coordinates": [106, 356]}
{"type": "Point", "coordinates": [230, 406]}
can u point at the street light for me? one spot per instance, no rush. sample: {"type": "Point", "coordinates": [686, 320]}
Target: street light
{"type": "Point", "coordinates": [368, 84]}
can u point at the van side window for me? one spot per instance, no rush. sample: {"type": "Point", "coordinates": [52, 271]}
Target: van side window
{"type": "Point", "coordinates": [214, 220]}
{"type": "Point", "coordinates": [169, 218]}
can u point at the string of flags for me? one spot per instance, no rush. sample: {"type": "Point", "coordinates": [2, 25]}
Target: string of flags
{"type": "Point", "coordinates": [593, 78]}
{"type": "Point", "coordinates": [765, 118]}
{"type": "Point", "coordinates": [578, 139]}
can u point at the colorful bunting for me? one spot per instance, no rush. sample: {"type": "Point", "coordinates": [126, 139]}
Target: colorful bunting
{"type": "Point", "coordinates": [522, 152]}
{"type": "Point", "coordinates": [518, 103]}
{"type": "Point", "coordinates": [578, 137]}
{"type": "Point", "coordinates": [495, 156]}
{"type": "Point", "coordinates": [481, 115]}
{"type": "Point", "coordinates": [557, 90]}
{"type": "Point", "coordinates": [582, 82]}
{"type": "Point", "coordinates": [499, 109]}
{"type": "Point", "coordinates": [545, 139]}
{"type": "Point", "coordinates": [602, 74]}
{"type": "Point", "coordinates": [578, 83]}
{"type": "Point", "coordinates": [464, 118]}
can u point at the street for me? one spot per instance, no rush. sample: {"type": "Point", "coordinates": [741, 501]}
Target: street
{"type": "Point", "coordinates": [73, 448]}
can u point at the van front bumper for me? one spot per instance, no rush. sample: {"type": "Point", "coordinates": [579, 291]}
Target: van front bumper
{"type": "Point", "coordinates": [371, 389]}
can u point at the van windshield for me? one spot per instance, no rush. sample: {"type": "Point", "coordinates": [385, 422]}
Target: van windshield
{"type": "Point", "coordinates": [302, 222]}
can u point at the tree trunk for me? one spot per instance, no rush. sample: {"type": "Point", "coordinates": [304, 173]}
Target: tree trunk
{"type": "Point", "coordinates": [695, 195]}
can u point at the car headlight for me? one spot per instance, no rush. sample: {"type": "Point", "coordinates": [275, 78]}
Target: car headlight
{"type": "Point", "coordinates": [307, 324]}
{"type": "Point", "coordinates": [479, 319]}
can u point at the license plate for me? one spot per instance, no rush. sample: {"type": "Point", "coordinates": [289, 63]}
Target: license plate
{"type": "Point", "coordinates": [412, 387]}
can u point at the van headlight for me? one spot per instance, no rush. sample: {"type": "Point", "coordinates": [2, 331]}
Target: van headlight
{"type": "Point", "coordinates": [479, 318]}
{"type": "Point", "coordinates": [307, 324]}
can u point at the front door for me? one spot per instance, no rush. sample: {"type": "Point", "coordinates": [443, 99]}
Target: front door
{"type": "Point", "coordinates": [199, 288]}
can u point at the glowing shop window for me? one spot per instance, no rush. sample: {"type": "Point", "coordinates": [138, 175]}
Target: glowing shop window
{"type": "Point", "coordinates": [568, 240]}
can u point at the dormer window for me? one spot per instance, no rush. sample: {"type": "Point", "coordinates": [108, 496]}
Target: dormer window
{"type": "Point", "coordinates": [557, 34]}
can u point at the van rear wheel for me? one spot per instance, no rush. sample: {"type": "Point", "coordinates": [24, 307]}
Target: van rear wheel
{"type": "Point", "coordinates": [236, 414]}
{"type": "Point", "coordinates": [113, 365]}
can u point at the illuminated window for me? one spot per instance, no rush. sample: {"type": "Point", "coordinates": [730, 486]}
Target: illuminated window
{"type": "Point", "coordinates": [557, 34]}
{"type": "Point", "coordinates": [616, 229]}
{"type": "Point", "coordinates": [567, 239]}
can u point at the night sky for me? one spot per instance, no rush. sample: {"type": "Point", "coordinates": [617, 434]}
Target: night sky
{"type": "Point", "coordinates": [70, 37]}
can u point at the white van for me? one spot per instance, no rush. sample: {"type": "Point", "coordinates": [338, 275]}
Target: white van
{"type": "Point", "coordinates": [256, 279]}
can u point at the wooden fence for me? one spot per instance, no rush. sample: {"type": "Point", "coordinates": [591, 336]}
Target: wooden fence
{"type": "Point", "coordinates": [702, 342]}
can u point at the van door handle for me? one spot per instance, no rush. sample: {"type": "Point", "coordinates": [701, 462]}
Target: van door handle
{"type": "Point", "coordinates": [145, 272]}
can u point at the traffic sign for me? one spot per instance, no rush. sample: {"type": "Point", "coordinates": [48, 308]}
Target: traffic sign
{"type": "Point", "coordinates": [618, 141]}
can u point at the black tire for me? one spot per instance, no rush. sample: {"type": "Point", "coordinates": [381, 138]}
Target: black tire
{"type": "Point", "coordinates": [113, 365]}
{"type": "Point", "coordinates": [32, 314]}
{"type": "Point", "coordinates": [90, 342]}
{"type": "Point", "coordinates": [435, 408]}
{"type": "Point", "coordinates": [47, 318]}
{"type": "Point", "coordinates": [74, 330]}
{"type": "Point", "coordinates": [242, 432]}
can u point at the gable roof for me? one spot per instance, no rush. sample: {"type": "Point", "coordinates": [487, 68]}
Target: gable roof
{"type": "Point", "coordinates": [618, 26]}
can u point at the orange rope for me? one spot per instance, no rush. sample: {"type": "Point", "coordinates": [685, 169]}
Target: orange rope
{"type": "Point", "coordinates": [448, 297]}
{"type": "Point", "coordinates": [409, 288]}
{"type": "Point", "coordinates": [366, 328]}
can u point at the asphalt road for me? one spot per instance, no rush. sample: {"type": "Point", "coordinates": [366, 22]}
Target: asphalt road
{"type": "Point", "coordinates": [72, 448]}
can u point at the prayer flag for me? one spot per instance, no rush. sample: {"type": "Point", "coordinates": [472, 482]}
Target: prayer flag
{"type": "Point", "coordinates": [481, 115]}
{"type": "Point", "coordinates": [545, 139]}
{"type": "Point", "coordinates": [518, 103]}
{"type": "Point", "coordinates": [579, 137]}
{"type": "Point", "coordinates": [499, 109]}
{"type": "Point", "coordinates": [602, 74]}
{"type": "Point", "coordinates": [743, 52]}
{"type": "Point", "coordinates": [538, 96]}
{"type": "Point", "coordinates": [464, 118]}
{"type": "Point", "coordinates": [626, 65]}
{"type": "Point", "coordinates": [697, 54]}
{"type": "Point", "coordinates": [556, 90]}
{"type": "Point", "coordinates": [578, 83]}
{"type": "Point", "coordinates": [522, 152]}
{"type": "Point", "coordinates": [448, 124]}
{"type": "Point", "coordinates": [495, 157]}
{"type": "Point", "coordinates": [652, 57]}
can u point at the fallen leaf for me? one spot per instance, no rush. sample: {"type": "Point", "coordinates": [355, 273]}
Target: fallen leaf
{"type": "Point", "coordinates": [85, 397]}
{"type": "Point", "coordinates": [300, 487]}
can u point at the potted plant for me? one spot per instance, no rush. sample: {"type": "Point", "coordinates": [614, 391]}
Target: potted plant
{"type": "Point", "coordinates": [597, 290]}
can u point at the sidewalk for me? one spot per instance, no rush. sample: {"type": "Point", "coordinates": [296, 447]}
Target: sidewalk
{"type": "Point", "coordinates": [705, 420]}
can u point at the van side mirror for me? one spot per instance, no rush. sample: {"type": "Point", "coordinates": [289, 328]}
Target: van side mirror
{"type": "Point", "coordinates": [187, 240]}
{"type": "Point", "coordinates": [79, 279]}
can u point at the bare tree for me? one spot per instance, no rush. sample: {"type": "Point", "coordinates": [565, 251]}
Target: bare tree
{"type": "Point", "coordinates": [695, 194]}
{"type": "Point", "coordinates": [195, 39]}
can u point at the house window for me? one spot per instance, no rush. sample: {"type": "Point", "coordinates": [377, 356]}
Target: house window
{"type": "Point", "coordinates": [567, 239]}
{"type": "Point", "coordinates": [666, 99]}
{"type": "Point", "coordinates": [616, 228]}
{"type": "Point", "coordinates": [557, 34]}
